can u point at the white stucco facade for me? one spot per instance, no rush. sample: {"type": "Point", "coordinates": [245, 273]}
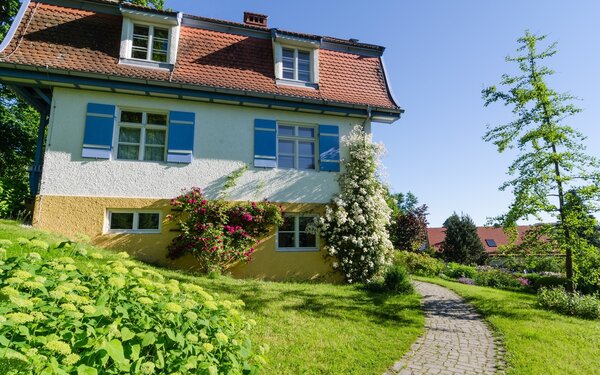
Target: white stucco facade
{"type": "Point", "coordinates": [223, 143]}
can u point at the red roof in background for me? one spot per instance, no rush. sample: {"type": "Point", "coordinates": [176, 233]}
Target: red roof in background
{"type": "Point", "coordinates": [436, 236]}
{"type": "Point", "coordinates": [88, 42]}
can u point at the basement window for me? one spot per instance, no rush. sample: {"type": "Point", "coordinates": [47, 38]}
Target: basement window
{"type": "Point", "coordinates": [293, 235]}
{"type": "Point", "coordinates": [133, 222]}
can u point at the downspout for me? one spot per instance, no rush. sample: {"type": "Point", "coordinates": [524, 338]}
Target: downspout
{"type": "Point", "coordinates": [368, 118]}
{"type": "Point", "coordinates": [35, 172]}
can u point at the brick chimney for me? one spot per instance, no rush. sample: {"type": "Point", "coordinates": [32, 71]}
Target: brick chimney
{"type": "Point", "coordinates": [255, 19]}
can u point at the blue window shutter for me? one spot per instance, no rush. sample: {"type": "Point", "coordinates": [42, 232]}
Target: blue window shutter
{"type": "Point", "coordinates": [265, 143]}
{"type": "Point", "coordinates": [99, 129]}
{"type": "Point", "coordinates": [329, 148]}
{"type": "Point", "coordinates": [180, 143]}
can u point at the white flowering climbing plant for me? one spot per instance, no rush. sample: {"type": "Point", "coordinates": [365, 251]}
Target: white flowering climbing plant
{"type": "Point", "coordinates": [354, 224]}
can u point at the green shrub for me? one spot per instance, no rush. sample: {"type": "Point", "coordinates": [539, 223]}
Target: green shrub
{"type": "Point", "coordinates": [496, 279]}
{"type": "Point", "coordinates": [419, 264]}
{"type": "Point", "coordinates": [114, 317]}
{"type": "Point", "coordinates": [396, 280]}
{"type": "Point", "coordinates": [576, 304]}
{"type": "Point", "coordinates": [538, 281]}
{"type": "Point", "coordinates": [530, 263]}
{"type": "Point", "coordinates": [457, 270]}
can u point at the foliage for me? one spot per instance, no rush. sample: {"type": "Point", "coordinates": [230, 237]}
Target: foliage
{"type": "Point", "coordinates": [396, 280]}
{"type": "Point", "coordinates": [462, 244]}
{"type": "Point", "coordinates": [552, 160]}
{"type": "Point", "coordinates": [457, 270]}
{"type": "Point", "coordinates": [576, 304]}
{"type": "Point", "coordinates": [232, 180]}
{"type": "Point", "coordinates": [219, 233]}
{"type": "Point", "coordinates": [536, 281]}
{"type": "Point", "coordinates": [408, 230]}
{"type": "Point", "coordinates": [587, 270]}
{"type": "Point", "coordinates": [113, 318]}
{"type": "Point", "coordinates": [419, 263]}
{"type": "Point", "coordinates": [530, 263]}
{"type": "Point", "coordinates": [496, 279]}
{"type": "Point", "coordinates": [354, 225]}
{"type": "Point", "coordinates": [156, 4]}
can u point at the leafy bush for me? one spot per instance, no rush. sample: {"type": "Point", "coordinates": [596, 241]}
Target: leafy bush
{"type": "Point", "coordinates": [530, 263]}
{"type": "Point", "coordinates": [419, 264]}
{"type": "Point", "coordinates": [86, 316]}
{"type": "Point", "coordinates": [457, 270]}
{"type": "Point", "coordinates": [576, 304]}
{"type": "Point", "coordinates": [396, 280]}
{"type": "Point", "coordinates": [219, 233]}
{"type": "Point", "coordinates": [466, 280]}
{"type": "Point", "coordinates": [538, 281]}
{"type": "Point", "coordinates": [587, 269]}
{"type": "Point", "coordinates": [496, 279]}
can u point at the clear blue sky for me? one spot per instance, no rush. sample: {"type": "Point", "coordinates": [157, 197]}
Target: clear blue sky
{"type": "Point", "coordinates": [439, 56]}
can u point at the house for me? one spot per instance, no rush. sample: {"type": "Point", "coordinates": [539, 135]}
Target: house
{"type": "Point", "coordinates": [137, 104]}
{"type": "Point", "coordinates": [491, 237]}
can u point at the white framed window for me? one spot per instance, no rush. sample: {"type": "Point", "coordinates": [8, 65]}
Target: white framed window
{"type": "Point", "coordinates": [150, 43]}
{"type": "Point", "coordinates": [292, 235]}
{"type": "Point", "coordinates": [142, 135]}
{"type": "Point", "coordinates": [296, 64]}
{"type": "Point", "coordinates": [124, 221]}
{"type": "Point", "coordinates": [296, 146]}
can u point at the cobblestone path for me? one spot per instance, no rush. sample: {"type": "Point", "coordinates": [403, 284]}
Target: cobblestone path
{"type": "Point", "coordinates": [455, 341]}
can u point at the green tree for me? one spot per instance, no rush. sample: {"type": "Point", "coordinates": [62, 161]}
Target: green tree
{"type": "Point", "coordinates": [551, 158]}
{"type": "Point", "coordinates": [462, 244]}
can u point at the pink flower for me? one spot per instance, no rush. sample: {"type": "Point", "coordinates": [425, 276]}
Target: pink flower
{"type": "Point", "coordinates": [247, 217]}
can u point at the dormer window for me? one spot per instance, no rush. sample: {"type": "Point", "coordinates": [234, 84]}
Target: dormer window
{"type": "Point", "coordinates": [296, 60]}
{"type": "Point", "coordinates": [296, 64]}
{"type": "Point", "coordinates": [150, 43]}
{"type": "Point", "coordinates": [149, 39]}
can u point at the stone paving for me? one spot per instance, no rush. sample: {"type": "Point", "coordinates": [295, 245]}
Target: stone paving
{"type": "Point", "coordinates": [455, 341]}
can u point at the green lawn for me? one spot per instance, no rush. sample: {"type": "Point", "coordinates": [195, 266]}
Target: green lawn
{"type": "Point", "coordinates": [536, 341]}
{"type": "Point", "coordinates": [311, 328]}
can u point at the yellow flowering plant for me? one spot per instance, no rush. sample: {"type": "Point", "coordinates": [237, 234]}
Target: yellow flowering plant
{"type": "Point", "coordinates": [69, 311]}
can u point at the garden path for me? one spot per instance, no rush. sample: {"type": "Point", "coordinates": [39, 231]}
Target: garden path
{"type": "Point", "coordinates": [455, 341]}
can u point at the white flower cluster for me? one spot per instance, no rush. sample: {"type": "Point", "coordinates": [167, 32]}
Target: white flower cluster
{"type": "Point", "coordinates": [354, 225]}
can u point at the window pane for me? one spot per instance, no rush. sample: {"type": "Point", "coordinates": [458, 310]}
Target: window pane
{"type": "Point", "coordinates": [306, 148]}
{"type": "Point", "coordinates": [157, 119]}
{"type": "Point", "coordinates": [128, 152]}
{"type": "Point", "coordinates": [288, 74]}
{"type": "Point", "coordinates": [304, 65]}
{"type": "Point", "coordinates": [160, 45]}
{"type": "Point", "coordinates": [306, 132]}
{"type": "Point", "coordinates": [288, 223]}
{"type": "Point", "coordinates": [307, 240]}
{"type": "Point", "coordinates": [120, 220]}
{"type": "Point", "coordinates": [288, 53]}
{"type": "Point", "coordinates": [135, 117]}
{"type": "Point", "coordinates": [285, 162]}
{"type": "Point", "coordinates": [286, 147]}
{"type": "Point", "coordinates": [306, 163]}
{"type": "Point", "coordinates": [148, 221]}
{"type": "Point", "coordinates": [159, 56]}
{"type": "Point", "coordinates": [136, 54]}
{"type": "Point", "coordinates": [286, 240]}
{"type": "Point", "coordinates": [286, 130]}
{"type": "Point", "coordinates": [161, 33]}
{"type": "Point", "coordinates": [303, 76]}
{"type": "Point", "coordinates": [141, 30]}
{"type": "Point", "coordinates": [303, 56]}
{"type": "Point", "coordinates": [154, 153]}
{"type": "Point", "coordinates": [155, 137]}
{"type": "Point", "coordinates": [130, 135]}
{"type": "Point", "coordinates": [140, 43]}
{"type": "Point", "coordinates": [303, 221]}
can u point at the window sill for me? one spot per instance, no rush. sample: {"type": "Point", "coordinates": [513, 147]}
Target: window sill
{"type": "Point", "coordinates": [125, 231]}
{"type": "Point", "coordinates": [294, 83]}
{"type": "Point", "coordinates": [298, 250]}
{"type": "Point", "coordinates": [146, 64]}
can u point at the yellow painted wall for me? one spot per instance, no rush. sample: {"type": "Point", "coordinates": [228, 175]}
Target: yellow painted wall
{"type": "Point", "coordinates": [74, 215]}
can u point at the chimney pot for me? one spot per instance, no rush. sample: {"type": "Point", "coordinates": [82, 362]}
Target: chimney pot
{"type": "Point", "coordinates": [255, 19]}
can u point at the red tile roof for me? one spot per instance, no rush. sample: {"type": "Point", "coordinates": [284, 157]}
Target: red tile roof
{"type": "Point", "coordinates": [437, 235]}
{"type": "Point", "coordinates": [86, 41]}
